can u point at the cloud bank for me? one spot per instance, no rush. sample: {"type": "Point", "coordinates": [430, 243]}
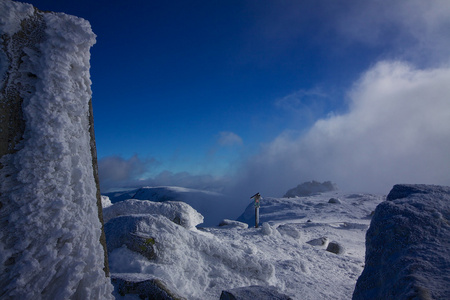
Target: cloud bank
{"type": "Point", "coordinates": [397, 130]}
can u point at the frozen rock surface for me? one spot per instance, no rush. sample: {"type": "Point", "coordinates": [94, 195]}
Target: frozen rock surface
{"type": "Point", "coordinates": [253, 293]}
{"type": "Point", "coordinates": [50, 228]}
{"type": "Point", "coordinates": [407, 246]}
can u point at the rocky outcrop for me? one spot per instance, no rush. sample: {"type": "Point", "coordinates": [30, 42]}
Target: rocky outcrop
{"type": "Point", "coordinates": [407, 246]}
{"type": "Point", "coordinates": [252, 293]}
{"type": "Point", "coordinates": [310, 188]}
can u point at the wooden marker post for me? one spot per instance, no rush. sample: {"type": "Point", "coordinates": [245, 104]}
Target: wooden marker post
{"type": "Point", "coordinates": [257, 203]}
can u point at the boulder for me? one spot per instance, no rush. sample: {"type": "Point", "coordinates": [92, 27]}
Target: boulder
{"type": "Point", "coordinates": [407, 246]}
{"type": "Point", "coordinates": [253, 292]}
{"type": "Point", "coordinates": [334, 201]}
{"type": "Point", "coordinates": [322, 241]}
{"type": "Point", "coordinates": [335, 247]}
{"type": "Point", "coordinates": [145, 288]}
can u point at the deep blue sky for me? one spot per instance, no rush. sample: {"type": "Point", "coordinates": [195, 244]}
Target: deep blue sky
{"type": "Point", "coordinates": [204, 86]}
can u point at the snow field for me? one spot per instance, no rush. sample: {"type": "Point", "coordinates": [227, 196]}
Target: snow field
{"type": "Point", "coordinates": [199, 264]}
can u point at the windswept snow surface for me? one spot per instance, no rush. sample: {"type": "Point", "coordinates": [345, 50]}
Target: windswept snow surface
{"type": "Point", "coordinates": [200, 263]}
{"type": "Point", "coordinates": [49, 244]}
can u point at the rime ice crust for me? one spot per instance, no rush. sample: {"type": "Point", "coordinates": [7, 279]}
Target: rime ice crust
{"type": "Point", "coordinates": [407, 246]}
{"type": "Point", "coordinates": [50, 231]}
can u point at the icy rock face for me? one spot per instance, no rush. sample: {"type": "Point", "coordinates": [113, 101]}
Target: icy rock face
{"type": "Point", "coordinates": [178, 212]}
{"type": "Point", "coordinates": [407, 246]}
{"type": "Point", "coordinates": [253, 292]}
{"type": "Point", "coordinates": [310, 188]}
{"type": "Point", "coordinates": [50, 226]}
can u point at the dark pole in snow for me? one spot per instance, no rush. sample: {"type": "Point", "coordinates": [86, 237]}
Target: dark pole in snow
{"type": "Point", "coordinates": [257, 198]}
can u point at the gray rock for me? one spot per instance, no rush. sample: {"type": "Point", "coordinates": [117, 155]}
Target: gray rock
{"type": "Point", "coordinates": [323, 241]}
{"type": "Point", "coordinates": [407, 246]}
{"type": "Point", "coordinates": [335, 247]}
{"type": "Point", "coordinates": [254, 292]}
{"type": "Point", "coordinates": [151, 289]}
{"type": "Point", "coordinates": [334, 201]}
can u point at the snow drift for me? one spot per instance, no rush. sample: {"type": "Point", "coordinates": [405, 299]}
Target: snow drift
{"type": "Point", "coordinates": [407, 246]}
{"type": "Point", "coordinates": [49, 217]}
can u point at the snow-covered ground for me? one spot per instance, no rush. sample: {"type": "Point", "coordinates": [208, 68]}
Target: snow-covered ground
{"type": "Point", "coordinates": [288, 251]}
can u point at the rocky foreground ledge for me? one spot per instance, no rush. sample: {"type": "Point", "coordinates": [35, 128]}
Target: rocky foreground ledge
{"type": "Point", "coordinates": [407, 246]}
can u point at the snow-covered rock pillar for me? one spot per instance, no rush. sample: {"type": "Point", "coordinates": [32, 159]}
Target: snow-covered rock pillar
{"type": "Point", "coordinates": [50, 222]}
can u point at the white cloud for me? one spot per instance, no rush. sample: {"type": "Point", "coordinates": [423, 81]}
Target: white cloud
{"type": "Point", "coordinates": [397, 130]}
{"type": "Point", "coordinates": [227, 138]}
{"type": "Point", "coordinates": [415, 30]}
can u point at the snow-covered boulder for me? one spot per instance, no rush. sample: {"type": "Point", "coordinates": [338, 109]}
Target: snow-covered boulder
{"type": "Point", "coordinates": [134, 232]}
{"type": "Point", "coordinates": [178, 212]}
{"type": "Point", "coordinates": [252, 293]}
{"type": "Point", "coordinates": [310, 188]}
{"type": "Point", "coordinates": [407, 246]}
{"type": "Point", "coordinates": [50, 206]}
